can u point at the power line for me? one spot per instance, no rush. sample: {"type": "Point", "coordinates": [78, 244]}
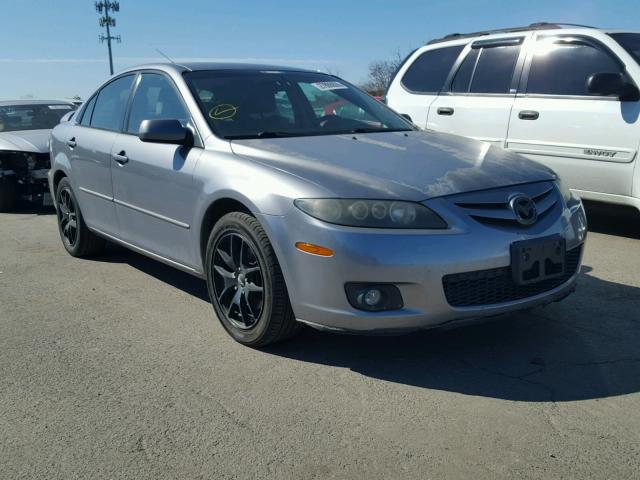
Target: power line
{"type": "Point", "coordinates": [108, 21]}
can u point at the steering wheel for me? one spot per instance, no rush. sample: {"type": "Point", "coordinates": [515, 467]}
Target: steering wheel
{"type": "Point", "coordinates": [326, 120]}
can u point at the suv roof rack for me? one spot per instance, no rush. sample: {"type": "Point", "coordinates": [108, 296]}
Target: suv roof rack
{"type": "Point", "coordinates": [533, 26]}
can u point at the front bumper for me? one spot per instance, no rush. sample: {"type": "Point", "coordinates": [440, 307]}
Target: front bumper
{"type": "Point", "coordinates": [415, 261]}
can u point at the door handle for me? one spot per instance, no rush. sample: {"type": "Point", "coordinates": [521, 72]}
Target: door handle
{"type": "Point", "coordinates": [528, 115]}
{"type": "Point", "coordinates": [445, 111]}
{"type": "Point", "coordinates": [72, 142]}
{"type": "Point", "coordinates": [121, 157]}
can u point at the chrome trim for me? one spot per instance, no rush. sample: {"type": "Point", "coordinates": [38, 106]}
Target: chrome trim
{"type": "Point", "coordinates": [152, 214]}
{"type": "Point", "coordinates": [147, 253]}
{"type": "Point", "coordinates": [97, 194]}
{"type": "Point", "coordinates": [568, 97]}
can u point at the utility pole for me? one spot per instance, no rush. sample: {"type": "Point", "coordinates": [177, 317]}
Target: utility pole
{"type": "Point", "coordinates": [108, 21]}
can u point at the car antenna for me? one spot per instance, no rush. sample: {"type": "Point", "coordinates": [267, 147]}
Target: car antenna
{"type": "Point", "coordinates": [165, 55]}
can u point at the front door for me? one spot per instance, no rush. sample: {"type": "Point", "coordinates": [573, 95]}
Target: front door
{"type": "Point", "coordinates": [152, 182]}
{"type": "Point", "coordinates": [589, 140]}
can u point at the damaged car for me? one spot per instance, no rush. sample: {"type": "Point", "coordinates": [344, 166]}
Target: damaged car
{"type": "Point", "coordinates": [25, 127]}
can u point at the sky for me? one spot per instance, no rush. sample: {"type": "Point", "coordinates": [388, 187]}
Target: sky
{"type": "Point", "coordinates": [50, 48]}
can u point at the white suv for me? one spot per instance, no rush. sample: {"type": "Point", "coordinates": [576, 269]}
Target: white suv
{"type": "Point", "coordinates": [563, 95]}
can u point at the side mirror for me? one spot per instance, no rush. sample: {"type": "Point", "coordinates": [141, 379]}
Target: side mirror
{"type": "Point", "coordinates": [613, 84]}
{"type": "Point", "coordinates": [165, 131]}
{"type": "Point", "coordinates": [406, 116]}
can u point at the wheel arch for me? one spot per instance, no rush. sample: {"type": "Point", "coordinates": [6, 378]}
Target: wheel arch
{"type": "Point", "coordinates": [214, 212]}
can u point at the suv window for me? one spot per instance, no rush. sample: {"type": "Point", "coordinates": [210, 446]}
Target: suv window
{"type": "Point", "coordinates": [487, 70]}
{"type": "Point", "coordinates": [155, 99]}
{"type": "Point", "coordinates": [111, 104]}
{"type": "Point", "coordinates": [563, 68]}
{"type": "Point", "coordinates": [429, 71]}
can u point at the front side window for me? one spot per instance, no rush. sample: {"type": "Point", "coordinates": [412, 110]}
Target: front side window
{"type": "Point", "coordinates": [155, 99]}
{"type": "Point", "coordinates": [562, 67]}
{"type": "Point", "coordinates": [32, 117]}
{"type": "Point", "coordinates": [429, 71]}
{"type": "Point", "coordinates": [630, 42]}
{"type": "Point", "coordinates": [111, 103]}
{"type": "Point", "coordinates": [254, 104]}
{"type": "Point", "coordinates": [487, 70]}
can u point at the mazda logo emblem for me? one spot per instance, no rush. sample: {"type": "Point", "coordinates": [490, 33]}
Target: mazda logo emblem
{"type": "Point", "coordinates": [524, 209]}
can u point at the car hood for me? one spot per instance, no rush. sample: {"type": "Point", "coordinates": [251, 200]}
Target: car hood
{"type": "Point", "coordinates": [414, 165]}
{"type": "Point", "coordinates": [36, 141]}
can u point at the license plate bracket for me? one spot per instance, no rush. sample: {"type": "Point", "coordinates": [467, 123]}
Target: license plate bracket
{"type": "Point", "coordinates": [538, 259]}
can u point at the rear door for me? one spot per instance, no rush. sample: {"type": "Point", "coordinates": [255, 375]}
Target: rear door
{"type": "Point", "coordinates": [478, 99]}
{"type": "Point", "coordinates": [417, 85]}
{"type": "Point", "coordinates": [90, 146]}
{"type": "Point", "coordinates": [589, 140]}
{"type": "Point", "coordinates": [153, 182]}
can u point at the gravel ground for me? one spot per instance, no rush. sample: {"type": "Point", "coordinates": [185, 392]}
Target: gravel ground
{"type": "Point", "coordinates": [117, 368]}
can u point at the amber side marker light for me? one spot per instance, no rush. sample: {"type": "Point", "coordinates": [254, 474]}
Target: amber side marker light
{"type": "Point", "coordinates": [314, 249]}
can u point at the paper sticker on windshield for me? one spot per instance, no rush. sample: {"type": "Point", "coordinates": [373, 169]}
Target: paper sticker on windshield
{"type": "Point", "coordinates": [224, 111]}
{"type": "Point", "coordinates": [59, 107]}
{"type": "Point", "coordinates": [326, 86]}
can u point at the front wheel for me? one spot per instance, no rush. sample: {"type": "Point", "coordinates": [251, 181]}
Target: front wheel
{"type": "Point", "coordinates": [245, 283]}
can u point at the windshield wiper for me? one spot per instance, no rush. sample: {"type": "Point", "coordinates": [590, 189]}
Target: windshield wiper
{"type": "Point", "coordinates": [378, 130]}
{"type": "Point", "coordinates": [265, 134]}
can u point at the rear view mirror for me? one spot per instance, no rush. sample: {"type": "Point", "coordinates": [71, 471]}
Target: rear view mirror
{"type": "Point", "coordinates": [165, 131]}
{"type": "Point", "coordinates": [613, 84]}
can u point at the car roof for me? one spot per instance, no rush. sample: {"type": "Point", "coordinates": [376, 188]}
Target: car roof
{"type": "Point", "coordinates": [15, 103]}
{"type": "Point", "coordinates": [201, 66]}
{"type": "Point", "coordinates": [529, 28]}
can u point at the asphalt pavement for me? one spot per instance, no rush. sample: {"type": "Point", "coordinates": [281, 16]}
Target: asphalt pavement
{"type": "Point", "coordinates": [117, 368]}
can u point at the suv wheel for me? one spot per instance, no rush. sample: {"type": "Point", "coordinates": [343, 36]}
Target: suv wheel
{"type": "Point", "coordinates": [8, 194]}
{"type": "Point", "coordinates": [77, 239]}
{"type": "Point", "coordinates": [245, 283]}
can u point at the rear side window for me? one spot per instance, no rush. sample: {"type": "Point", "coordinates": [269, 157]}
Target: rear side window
{"type": "Point", "coordinates": [462, 80]}
{"type": "Point", "coordinates": [429, 71]}
{"type": "Point", "coordinates": [563, 68]}
{"type": "Point", "coordinates": [88, 111]}
{"type": "Point", "coordinates": [111, 104]}
{"type": "Point", "coordinates": [487, 70]}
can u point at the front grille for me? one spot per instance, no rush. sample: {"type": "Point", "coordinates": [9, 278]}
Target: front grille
{"type": "Point", "coordinates": [494, 286]}
{"type": "Point", "coordinates": [491, 207]}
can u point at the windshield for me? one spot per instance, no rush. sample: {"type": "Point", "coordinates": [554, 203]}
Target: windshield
{"type": "Point", "coordinates": [630, 42]}
{"type": "Point", "coordinates": [255, 104]}
{"type": "Point", "coordinates": [32, 117]}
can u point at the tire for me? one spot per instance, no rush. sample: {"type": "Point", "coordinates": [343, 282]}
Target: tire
{"type": "Point", "coordinates": [77, 239]}
{"type": "Point", "coordinates": [8, 195]}
{"type": "Point", "coordinates": [245, 283]}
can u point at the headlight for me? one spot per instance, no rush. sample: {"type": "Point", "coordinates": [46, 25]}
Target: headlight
{"type": "Point", "coordinates": [371, 213]}
{"type": "Point", "coordinates": [566, 193]}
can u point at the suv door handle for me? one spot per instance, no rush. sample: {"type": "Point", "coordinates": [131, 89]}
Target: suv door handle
{"type": "Point", "coordinates": [528, 115]}
{"type": "Point", "coordinates": [445, 111]}
{"type": "Point", "coordinates": [121, 157]}
{"type": "Point", "coordinates": [72, 142]}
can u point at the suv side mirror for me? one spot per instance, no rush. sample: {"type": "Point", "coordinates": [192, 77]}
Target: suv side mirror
{"type": "Point", "coordinates": [613, 84]}
{"type": "Point", "coordinates": [165, 131]}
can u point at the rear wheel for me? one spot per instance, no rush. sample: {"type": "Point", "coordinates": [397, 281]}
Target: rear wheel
{"type": "Point", "coordinates": [77, 239]}
{"type": "Point", "coordinates": [245, 283]}
{"type": "Point", "coordinates": [8, 194]}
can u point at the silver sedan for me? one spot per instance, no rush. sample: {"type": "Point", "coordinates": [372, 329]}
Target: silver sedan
{"type": "Point", "coordinates": [301, 199]}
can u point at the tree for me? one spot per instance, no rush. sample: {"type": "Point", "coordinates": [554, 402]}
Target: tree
{"type": "Point", "coordinates": [381, 73]}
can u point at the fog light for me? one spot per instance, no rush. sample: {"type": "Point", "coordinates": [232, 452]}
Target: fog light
{"type": "Point", "coordinates": [374, 297]}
